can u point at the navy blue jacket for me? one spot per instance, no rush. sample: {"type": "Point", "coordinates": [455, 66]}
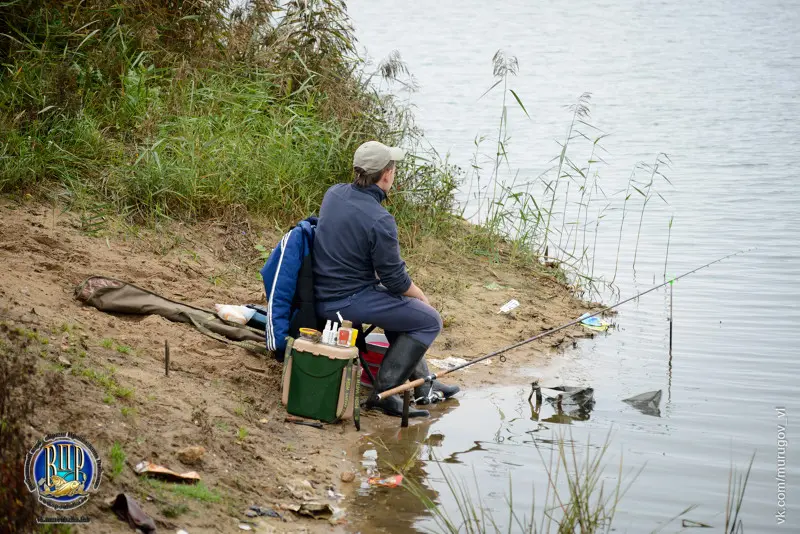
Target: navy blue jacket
{"type": "Point", "coordinates": [281, 274]}
{"type": "Point", "coordinates": [356, 245]}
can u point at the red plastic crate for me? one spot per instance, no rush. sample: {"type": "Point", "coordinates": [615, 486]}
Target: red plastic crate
{"type": "Point", "coordinates": [376, 348]}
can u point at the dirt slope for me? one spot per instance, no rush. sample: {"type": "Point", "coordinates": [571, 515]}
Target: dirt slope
{"type": "Point", "coordinates": [104, 375]}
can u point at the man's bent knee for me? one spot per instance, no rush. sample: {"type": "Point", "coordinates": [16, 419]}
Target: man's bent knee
{"type": "Point", "coordinates": [433, 327]}
{"type": "Point", "coordinates": [439, 324]}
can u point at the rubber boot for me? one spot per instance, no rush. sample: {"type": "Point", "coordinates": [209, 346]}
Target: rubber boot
{"type": "Point", "coordinates": [398, 363]}
{"type": "Point", "coordinates": [430, 392]}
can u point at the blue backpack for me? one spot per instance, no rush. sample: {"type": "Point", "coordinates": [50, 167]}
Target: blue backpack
{"type": "Point", "coordinates": [289, 286]}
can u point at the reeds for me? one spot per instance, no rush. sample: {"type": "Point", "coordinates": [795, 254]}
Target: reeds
{"type": "Point", "coordinates": [647, 191]}
{"type": "Point", "coordinates": [554, 219]}
{"type": "Point", "coordinates": [580, 497]}
{"type": "Point", "coordinates": [577, 498]}
{"type": "Point", "coordinates": [669, 238]}
{"type": "Point", "coordinates": [737, 484]}
{"type": "Point", "coordinates": [524, 211]}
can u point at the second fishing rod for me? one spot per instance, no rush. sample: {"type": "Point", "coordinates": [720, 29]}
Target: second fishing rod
{"type": "Point", "coordinates": [418, 382]}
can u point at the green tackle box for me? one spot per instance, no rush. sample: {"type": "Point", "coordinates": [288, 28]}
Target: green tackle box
{"type": "Point", "coordinates": [320, 381]}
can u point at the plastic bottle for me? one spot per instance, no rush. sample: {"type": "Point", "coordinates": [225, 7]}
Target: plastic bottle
{"type": "Point", "coordinates": [334, 334]}
{"type": "Point", "coordinates": [353, 335]}
{"type": "Point", "coordinates": [326, 334]}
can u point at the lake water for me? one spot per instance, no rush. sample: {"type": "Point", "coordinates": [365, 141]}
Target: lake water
{"type": "Point", "coordinates": [716, 85]}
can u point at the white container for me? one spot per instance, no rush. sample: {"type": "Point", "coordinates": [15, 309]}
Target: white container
{"type": "Point", "coordinates": [508, 306]}
{"type": "Point", "coordinates": [326, 334]}
{"type": "Point", "coordinates": [334, 335]}
{"type": "Point", "coordinates": [234, 313]}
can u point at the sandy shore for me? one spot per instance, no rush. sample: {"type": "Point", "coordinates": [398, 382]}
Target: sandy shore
{"type": "Point", "coordinates": [222, 398]}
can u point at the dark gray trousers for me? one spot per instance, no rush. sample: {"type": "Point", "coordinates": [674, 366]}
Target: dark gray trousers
{"type": "Point", "coordinates": [395, 314]}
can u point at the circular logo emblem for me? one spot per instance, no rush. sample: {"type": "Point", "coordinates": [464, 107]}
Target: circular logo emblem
{"type": "Point", "coordinates": [62, 469]}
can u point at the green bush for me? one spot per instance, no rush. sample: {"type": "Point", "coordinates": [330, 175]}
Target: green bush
{"type": "Point", "coordinates": [179, 112]}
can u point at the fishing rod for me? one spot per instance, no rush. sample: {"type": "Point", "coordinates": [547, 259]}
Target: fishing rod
{"type": "Point", "coordinates": [419, 381]}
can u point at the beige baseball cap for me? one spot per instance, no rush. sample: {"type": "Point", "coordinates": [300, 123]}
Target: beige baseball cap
{"type": "Point", "coordinates": [373, 156]}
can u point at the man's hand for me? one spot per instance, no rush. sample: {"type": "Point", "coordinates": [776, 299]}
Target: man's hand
{"type": "Point", "coordinates": [416, 292]}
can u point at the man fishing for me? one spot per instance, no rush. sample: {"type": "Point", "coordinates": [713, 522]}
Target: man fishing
{"type": "Point", "coordinates": [358, 271]}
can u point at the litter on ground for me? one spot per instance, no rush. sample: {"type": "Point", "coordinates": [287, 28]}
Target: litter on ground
{"type": "Point", "coordinates": [127, 509]}
{"type": "Point", "coordinates": [594, 323]}
{"type": "Point", "coordinates": [234, 313]}
{"type": "Point", "coordinates": [509, 306]}
{"type": "Point", "coordinates": [332, 514]}
{"type": "Point", "coordinates": [388, 482]}
{"type": "Point", "coordinates": [262, 511]}
{"type": "Point", "coordinates": [447, 363]}
{"type": "Point", "coordinates": [163, 473]}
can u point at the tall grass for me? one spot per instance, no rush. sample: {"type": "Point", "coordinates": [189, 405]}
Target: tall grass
{"type": "Point", "coordinates": [526, 211]}
{"type": "Point", "coordinates": [180, 112]}
{"type": "Point", "coordinates": [554, 219]}
{"type": "Point", "coordinates": [662, 160]}
{"type": "Point", "coordinates": [577, 498]}
{"type": "Point", "coordinates": [737, 484]}
{"type": "Point", "coordinates": [669, 238]}
{"type": "Point", "coordinates": [195, 110]}
{"type": "Point", "coordinates": [580, 497]}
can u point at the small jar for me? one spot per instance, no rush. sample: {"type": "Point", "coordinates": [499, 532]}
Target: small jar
{"type": "Point", "coordinates": [345, 334]}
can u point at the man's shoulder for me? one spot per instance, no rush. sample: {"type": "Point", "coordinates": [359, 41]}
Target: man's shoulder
{"type": "Point", "coordinates": [335, 196]}
{"type": "Point", "coordinates": [383, 220]}
{"type": "Point", "coordinates": [345, 200]}
{"type": "Point", "coordinates": [337, 189]}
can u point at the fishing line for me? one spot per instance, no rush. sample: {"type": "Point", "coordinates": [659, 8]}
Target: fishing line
{"type": "Point", "coordinates": [418, 382]}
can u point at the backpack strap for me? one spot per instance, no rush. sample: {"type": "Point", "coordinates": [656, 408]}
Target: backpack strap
{"type": "Point", "coordinates": [286, 375]}
{"type": "Point", "coordinates": [348, 385]}
{"type": "Point", "coordinates": [357, 407]}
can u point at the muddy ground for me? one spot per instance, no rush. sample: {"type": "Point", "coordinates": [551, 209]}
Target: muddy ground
{"type": "Point", "coordinates": [102, 376]}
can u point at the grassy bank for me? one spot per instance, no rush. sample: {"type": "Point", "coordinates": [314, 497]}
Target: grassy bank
{"type": "Point", "coordinates": [199, 112]}
{"type": "Point", "coordinates": [186, 113]}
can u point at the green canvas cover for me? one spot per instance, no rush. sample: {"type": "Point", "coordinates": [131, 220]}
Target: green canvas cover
{"type": "Point", "coordinates": [115, 296]}
{"type": "Point", "coordinates": [321, 382]}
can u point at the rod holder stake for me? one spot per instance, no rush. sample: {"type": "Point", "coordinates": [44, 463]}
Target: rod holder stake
{"type": "Point", "coordinates": [406, 405]}
{"type": "Point", "coordinates": [670, 318]}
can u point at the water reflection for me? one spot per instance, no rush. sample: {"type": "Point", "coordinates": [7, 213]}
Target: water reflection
{"type": "Point", "coordinates": [453, 457]}
{"type": "Point", "coordinates": [571, 403]}
{"type": "Point", "coordinates": [417, 450]}
{"type": "Point", "coordinates": [647, 403]}
{"type": "Point", "coordinates": [660, 74]}
{"type": "Point", "coordinates": [399, 450]}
